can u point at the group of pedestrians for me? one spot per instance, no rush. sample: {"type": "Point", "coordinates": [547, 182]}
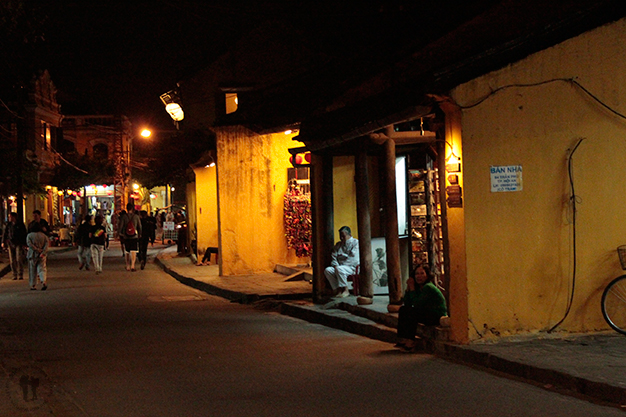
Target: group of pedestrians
{"type": "Point", "coordinates": [16, 238]}
{"type": "Point", "coordinates": [136, 232]}
{"type": "Point", "coordinates": [92, 240]}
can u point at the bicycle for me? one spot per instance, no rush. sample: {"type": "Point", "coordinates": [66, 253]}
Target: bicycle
{"type": "Point", "coordinates": [614, 298]}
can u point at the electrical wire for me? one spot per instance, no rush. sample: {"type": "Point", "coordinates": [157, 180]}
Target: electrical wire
{"type": "Point", "coordinates": [567, 80]}
{"type": "Point", "coordinates": [68, 162]}
{"type": "Point", "coordinates": [574, 200]}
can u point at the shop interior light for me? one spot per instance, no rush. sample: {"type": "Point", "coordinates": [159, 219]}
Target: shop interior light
{"type": "Point", "coordinates": [136, 186]}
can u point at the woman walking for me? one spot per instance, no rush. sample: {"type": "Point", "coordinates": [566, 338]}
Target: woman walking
{"type": "Point", "coordinates": [99, 242]}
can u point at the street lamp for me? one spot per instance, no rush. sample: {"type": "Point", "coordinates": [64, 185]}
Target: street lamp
{"type": "Point", "coordinates": [172, 103]}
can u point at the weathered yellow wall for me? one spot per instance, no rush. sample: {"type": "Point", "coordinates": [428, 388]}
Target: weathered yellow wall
{"type": "Point", "coordinates": [252, 180]}
{"type": "Point", "coordinates": [519, 244]}
{"type": "Point", "coordinates": [344, 195]}
{"type": "Point", "coordinates": [206, 208]}
{"type": "Point", "coordinates": [190, 195]}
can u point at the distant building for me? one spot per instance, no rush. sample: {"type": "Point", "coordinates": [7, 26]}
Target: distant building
{"type": "Point", "coordinates": [102, 139]}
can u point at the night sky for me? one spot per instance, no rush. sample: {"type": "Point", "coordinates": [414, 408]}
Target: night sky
{"type": "Point", "coordinates": [115, 56]}
{"type": "Point", "coordinates": [119, 56]}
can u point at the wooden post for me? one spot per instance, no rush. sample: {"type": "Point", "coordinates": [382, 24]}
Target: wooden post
{"type": "Point", "coordinates": [392, 242]}
{"type": "Point", "coordinates": [366, 290]}
{"type": "Point", "coordinates": [323, 222]}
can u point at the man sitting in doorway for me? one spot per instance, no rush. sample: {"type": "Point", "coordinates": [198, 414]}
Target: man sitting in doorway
{"type": "Point", "coordinates": [345, 259]}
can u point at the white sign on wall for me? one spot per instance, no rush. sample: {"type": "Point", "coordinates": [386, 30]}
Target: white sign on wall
{"type": "Point", "coordinates": [506, 178]}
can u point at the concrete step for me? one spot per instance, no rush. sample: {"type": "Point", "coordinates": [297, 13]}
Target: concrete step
{"type": "Point", "coordinates": [294, 273]}
{"type": "Point", "coordinates": [332, 317]}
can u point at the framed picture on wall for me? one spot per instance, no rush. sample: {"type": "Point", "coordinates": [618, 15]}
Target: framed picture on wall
{"type": "Point", "coordinates": [379, 266]}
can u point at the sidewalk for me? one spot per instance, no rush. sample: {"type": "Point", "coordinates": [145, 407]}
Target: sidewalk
{"type": "Point", "coordinates": [591, 366]}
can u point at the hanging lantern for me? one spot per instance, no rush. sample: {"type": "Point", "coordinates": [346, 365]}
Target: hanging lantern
{"type": "Point", "coordinates": [307, 157]}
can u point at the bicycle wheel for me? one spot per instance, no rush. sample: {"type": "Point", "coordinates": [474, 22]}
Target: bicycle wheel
{"type": "Point", "coordinates": [614, 304]}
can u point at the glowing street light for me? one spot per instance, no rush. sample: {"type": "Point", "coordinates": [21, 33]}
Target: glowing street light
{"type": "Point", "coordinates": [146, 133]}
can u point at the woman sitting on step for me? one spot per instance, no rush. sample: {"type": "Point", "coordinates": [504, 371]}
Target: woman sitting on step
{"type": "Point", "coordinates": [423, 303]}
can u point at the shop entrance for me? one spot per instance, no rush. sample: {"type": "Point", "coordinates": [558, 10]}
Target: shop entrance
{"type": "Point", "coordinates": [424, 239]}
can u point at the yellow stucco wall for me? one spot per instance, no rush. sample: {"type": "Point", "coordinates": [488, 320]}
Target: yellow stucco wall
{"type": "Point", "coordinates": [206, 208]}
{"type": "Point", "coordinates": [344, 195]}
{"type": "Point", "coordinates": [252, 180]}
{"type": "Point", "coordinates": [519, 244]}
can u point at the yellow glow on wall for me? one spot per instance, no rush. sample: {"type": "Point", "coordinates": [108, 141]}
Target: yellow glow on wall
{"type": "Point", "coordinates": [252, 181]}
{"type": "Point", "coordinates": [206, 208]}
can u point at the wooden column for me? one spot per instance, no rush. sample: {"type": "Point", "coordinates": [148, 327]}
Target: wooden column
{"type": "Point", "coordinates": [392, 241]}
{"type": "Point", "coordinates": [366, 290]}
{"type": "Point", "coordinates": [323, 222]}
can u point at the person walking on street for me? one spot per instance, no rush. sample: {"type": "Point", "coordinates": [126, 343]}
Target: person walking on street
{"type": "Point", "coordinates": [84, 243]}
{"type": "Point", "coordinates": [37, 243]}
{"type": "Point", "coordinates": [43, 224]}
{"type": "Point", "coordinates": [14, 240]}
{"type": "Point", "coordinates": [147, 236]}
{"type": "Point", "coordinates": [99, 242]}
{"type": "Point", "coordinates": [129, 228]}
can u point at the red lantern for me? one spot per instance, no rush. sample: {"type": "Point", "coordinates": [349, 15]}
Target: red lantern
{"type": "Point", "coordinates": [104, 186]}
{"type": "Point", "coordinates": [307, 157]}
{"type": "Point", "coordinates": [298, 159]}
{"type": "Point", "coordinates": [291, 159]}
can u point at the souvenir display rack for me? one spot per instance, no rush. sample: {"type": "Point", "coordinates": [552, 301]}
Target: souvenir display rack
{"type": "Point", "coordinates": [425, 215]}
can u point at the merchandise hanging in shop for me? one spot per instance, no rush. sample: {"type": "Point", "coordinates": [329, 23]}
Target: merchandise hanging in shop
{"type": "Point", "coordinates": [297, 220]}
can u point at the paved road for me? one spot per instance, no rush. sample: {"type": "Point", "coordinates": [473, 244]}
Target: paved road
{"type": "Point", "coordinates": [142, 344]}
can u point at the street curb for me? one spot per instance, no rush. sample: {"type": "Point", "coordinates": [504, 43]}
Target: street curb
{"type": "Point", "coordinates": [549, 378]}
{"type": "Point", "coordinates": [208, 288]}
{"type": "Point", "coordinates": [234, 296]}
{"type": "Point", "coordinates": [343, 318]}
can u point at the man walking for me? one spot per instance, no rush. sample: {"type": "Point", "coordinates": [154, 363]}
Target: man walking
{"type": "Point", "coordinates": [43, 223]}
{"type": "Point", "coordinates": [14, 239]}
{"type": "Point", "coordinates": [38, 243]}
{"type": "Point", "coordinates": [129, 228]}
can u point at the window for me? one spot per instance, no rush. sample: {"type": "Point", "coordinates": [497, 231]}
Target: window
{"type": "Point", "coordinates": [232, 103]}
{"type": "Point", "coordinates": [101, 151]}
{"type": "Point", "coordinates": [46, 137]}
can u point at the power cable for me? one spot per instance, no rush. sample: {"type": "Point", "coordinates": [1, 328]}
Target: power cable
{"type": "Point", "coordinates": [574, 200]}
